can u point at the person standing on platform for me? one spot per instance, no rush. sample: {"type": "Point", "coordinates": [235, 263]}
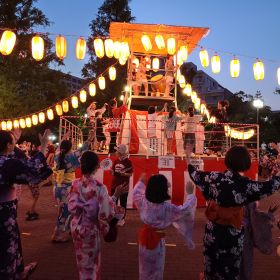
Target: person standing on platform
{"type": "Point", "coordinates": [170, 125]}
{"type": "Point", "coordinates": [157, 213]}
{"type": "Point", "coordinates": [114, 125]}
{"type": "Point", "coordinates": [132, 76]}
{"type": "Point", "coordinates": [100, 136]}
{"type": "Point", "coordinates": [169, 74]}
{"type": "Point", "coordinates": [141, 75]}
{"type": "Point", "coordinates": [189, 130]}
{"type": "Point", "coordinates": [122, 170]}
{"type": "Point", "coordinates": [226, 194]}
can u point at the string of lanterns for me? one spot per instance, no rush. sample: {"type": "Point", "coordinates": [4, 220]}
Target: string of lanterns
{"type": "Point", "coordinates": [61, 107]}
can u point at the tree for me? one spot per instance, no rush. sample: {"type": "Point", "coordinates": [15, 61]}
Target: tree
{"type": "Point", "coordinates": [109, 11]}
{"type": "Point", "coordinates": [26, 85]}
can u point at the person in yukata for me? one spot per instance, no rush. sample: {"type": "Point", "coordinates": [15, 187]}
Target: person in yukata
{"type": "Point", "coordinates": [66, 162]}
{"type": "Point", "coordinates": [226, 194]}
{"type": "Point", "coordinates": [122, 170]}
{"type": "Point", "coordinates": [157, 213]}
{"type": "Point", "coordinates": [257, 234]}
{"type": "Point", "coordinates": [91, 210]}
{"type": "Point", "coordinates": [16, 169]}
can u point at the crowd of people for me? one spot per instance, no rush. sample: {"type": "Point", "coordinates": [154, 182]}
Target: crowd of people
{"type": "Point", "coordinates": [87, 212]}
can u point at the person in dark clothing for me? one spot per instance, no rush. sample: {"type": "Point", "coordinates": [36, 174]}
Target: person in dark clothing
{"type": "Point", "coordinates": [100, 136]}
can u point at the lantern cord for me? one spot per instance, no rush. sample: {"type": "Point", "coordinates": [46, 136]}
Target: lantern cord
{"type": "Point", "coordinates": [66, 99]}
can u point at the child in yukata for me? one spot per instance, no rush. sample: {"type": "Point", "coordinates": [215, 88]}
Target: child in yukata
{"type": "Point", "coordinates": [92, 209]}
{"type": "Point", "coordinates": [157, 214]}
{"type": "Point", "coordinates": [226, 194]}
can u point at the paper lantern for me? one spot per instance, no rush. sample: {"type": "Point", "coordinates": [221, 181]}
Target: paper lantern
{"type": "Point", "coordinates": [184, 52]}
{"type": "Point", "coordinates": [81, 47]}
{"type": "Point", "coordinates": [197, 103]}
{"type": "Point", "coordinates": [188, 90]}
{"type": "Point", "coordinates": [125, 52]}
{"type": "Point", "coordinates": [41, 117]}
{"type": "Point", "coordinates": [101, 82]}
{"type": "Point", "coordinates": [22, 123]}
{"type": "Point", "coordinates": [234, 68]}
{"type": "Point", "coordinates": [4, 125]}
{"type": "Point", "coordinates": [109, 48]}
{"type": "Point", "coordinates": [155, 64]}
{"type": "Point", "coordinates": [171, 46]}
{"type": "Point", "coordinates": [179, 58]}
{"type": "Point", "coordinates": [83, 96]}
{"type": "Point", "coordinates": [278, 76]}
{"type": "Point", "coordinates": [28, 122]}
{"type": "Point", "coordinates": [16, 124]}
{"type": "Point", "coordinates": [147, 44]}
{"type": "Point", "coordinates": [122, 61]}
{"type": "Point", "coordinates": [136, 61]}
{"type": "Point", "coordinates": [60, 47]}
{"type": "Point", "coordinates": [9, 125]}
{"type": "Point", "coordinates": [34, 119]}
{"type": "Point", "coordinates": [204, 58]}
{"type": "Point", "coordinates": [92, 89]}
{"type": "Point", "coordinates": [117, 49]}
{"type": "Point", "coordinates": [203, 108]}
{"type": "Point", "coordinates": [112, 73]}
{"type": "Point", "coordinates": [160, 42]}
{"type": "Point", "coordinates": [7, 42]}
{"type": "Point", "coordinates": [182, 81]}
{"type": "Point", "coordinates": [193, 96]}
{"type": "Point", "coordinates": [98, 47]}
{"type": "Point", "coordinates": [50, 114]}
{"type": "Point", "coordinates": [65, 106]}
{"type": "Point", "coordinates": [58, 109]}
{"type": "Point", "coordinates": [216, 64]}
{"type": "Point", "coordinates": [75, 102]}
{"type": "Point", "coordinates": [258, 69]}
{"type": "Point", "coordinates": [37, 47]}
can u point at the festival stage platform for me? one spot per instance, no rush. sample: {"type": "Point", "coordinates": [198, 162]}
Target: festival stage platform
{"type": "Point", "coordinates": [177, 176]}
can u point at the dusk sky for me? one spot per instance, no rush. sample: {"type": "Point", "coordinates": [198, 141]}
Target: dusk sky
{"type": "Point", "coordinates": [249, 29]}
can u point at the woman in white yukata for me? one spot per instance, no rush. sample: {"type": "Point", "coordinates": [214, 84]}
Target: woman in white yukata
{"type": "Point", "coordinates": [157, 214]}
{"type": "Point", "coordinates": [92, 210]}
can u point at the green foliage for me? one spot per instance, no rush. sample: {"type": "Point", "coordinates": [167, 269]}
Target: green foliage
{"type": "Point", "coordinates": [26, 85]}
{"type": "Point", "coordinates": [109, 11]}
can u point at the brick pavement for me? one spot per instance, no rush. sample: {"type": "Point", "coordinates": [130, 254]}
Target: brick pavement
{"type": "Point", "coordinates": [119, 260]}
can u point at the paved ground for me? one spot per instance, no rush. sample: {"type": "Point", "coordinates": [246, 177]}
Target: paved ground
{"type": "Point", "coordinates": [119, 260]}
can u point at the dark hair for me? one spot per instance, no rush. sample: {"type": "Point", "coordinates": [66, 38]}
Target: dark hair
{"type": "Point", "coordinates": [65, 147]}
{"type": "Point", "coordinates": [151, 109]}
{"type": "Point", "coordinates": [238, 159]}
{"type": "Point", "coordinates": [5, 139]}
{"type": "Point", "coordinates": [172, 110]}
{"type": "Point", "coordinates": [191, 111]}
{"type": "Point", "coordinates": [168, 56]}
{"type": "Point", "coordinates": [89, 162]}
{"type": "Point", "coordinates": [224, 103]}
{"type": "Point", "coordinates": [157, 189]}
{"type": "Point", "coordinates": [97, 113]}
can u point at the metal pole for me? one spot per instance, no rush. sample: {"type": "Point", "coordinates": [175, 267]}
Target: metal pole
{"type": "Point", "coordinates": [257, 115]}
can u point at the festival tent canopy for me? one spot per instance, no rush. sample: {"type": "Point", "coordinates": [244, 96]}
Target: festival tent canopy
{"type": "Point", "coordinates": [132, 33]}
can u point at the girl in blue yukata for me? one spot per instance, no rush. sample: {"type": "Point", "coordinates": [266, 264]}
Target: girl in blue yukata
{"type": "Point", "coordinates": [66, 162]}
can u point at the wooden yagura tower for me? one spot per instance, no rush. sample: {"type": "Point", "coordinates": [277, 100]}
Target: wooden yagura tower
{"type": "Point", "coordinates": [132, 33]}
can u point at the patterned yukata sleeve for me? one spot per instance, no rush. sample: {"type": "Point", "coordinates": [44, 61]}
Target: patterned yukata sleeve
{"type": "Point", "coordinates": [203, 181]}
{"type": "Point", "coordinates": [175, 212]}
{"type": "Point", "coordinates": [138, 195]}
{"type": "Point", "coordinates": [106, 210]}
{"type": "Point", "coordinates": [249, 191]}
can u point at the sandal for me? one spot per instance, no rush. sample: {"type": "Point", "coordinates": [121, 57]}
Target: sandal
{"type": "Point", "coordinates": [28, 270]}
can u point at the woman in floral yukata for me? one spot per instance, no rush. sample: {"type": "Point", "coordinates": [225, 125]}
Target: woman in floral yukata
{"type": "Point", "coordinates": [157, 214]}
{"type": "Point", "coordinates": [16, 169]}
{"type": "Point", "coordinates": [226, 194]}
{"type": "Point", "coordinates": [92, 209]}
{"type": "Point", "coordinates": [66, 162]}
